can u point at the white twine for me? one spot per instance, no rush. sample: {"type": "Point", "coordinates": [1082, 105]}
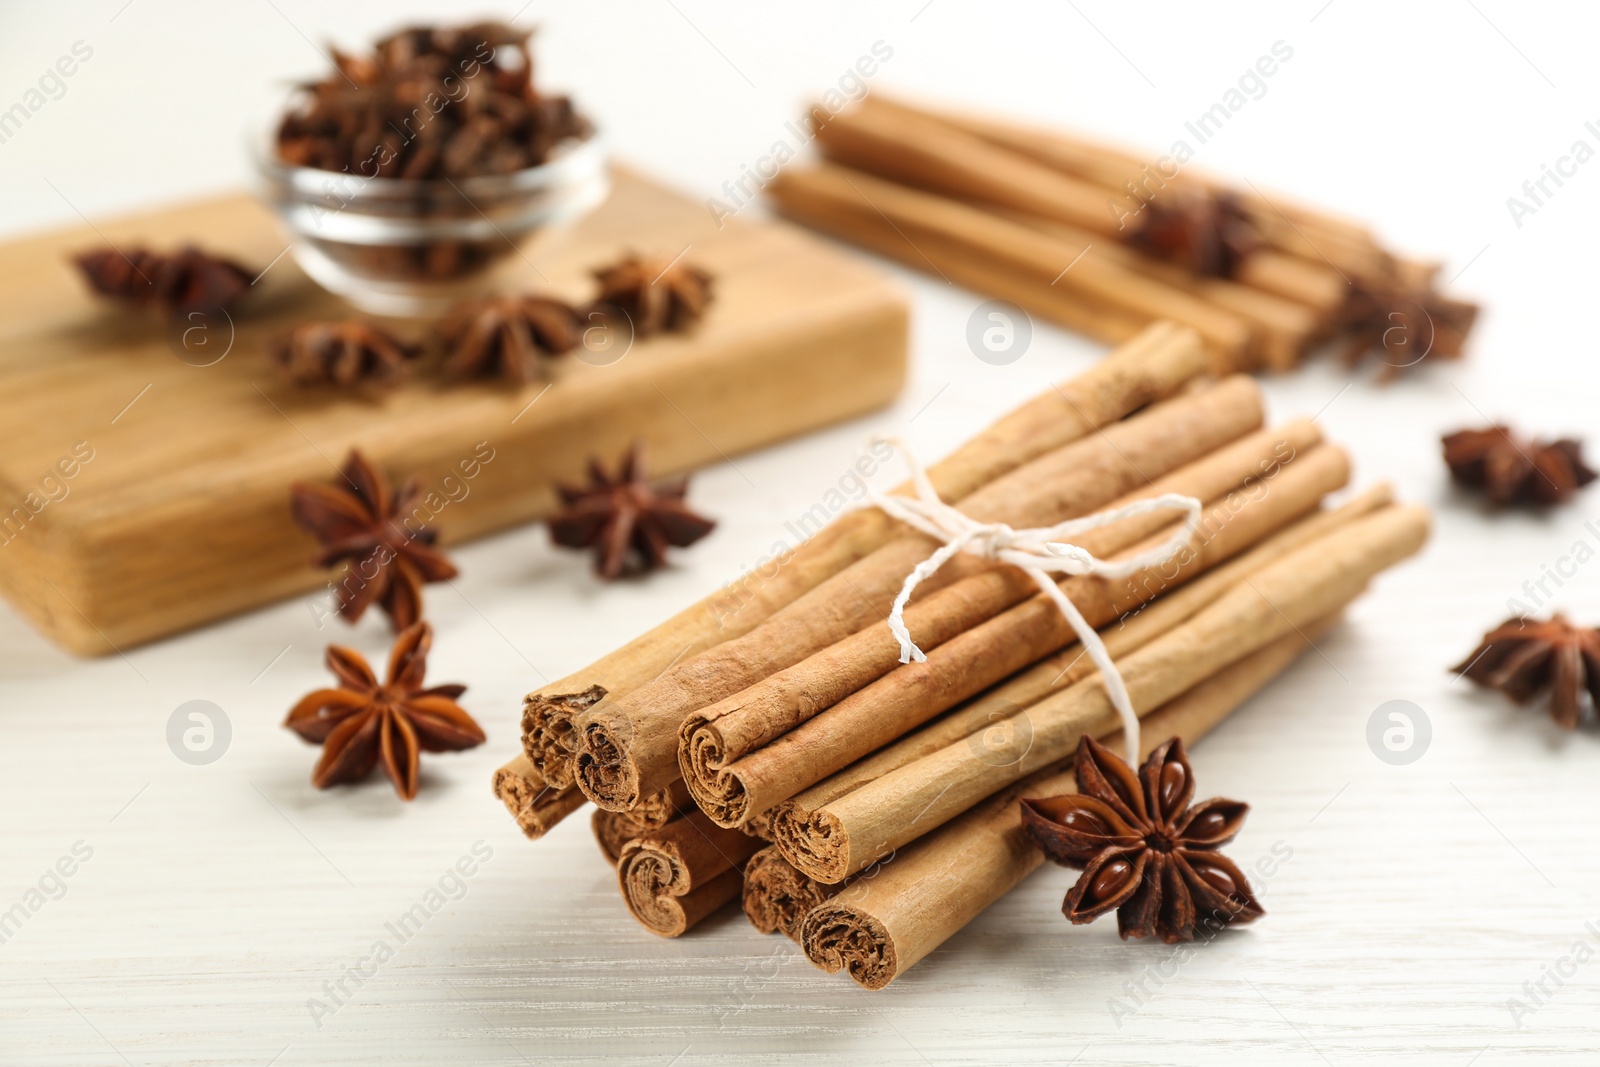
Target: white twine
{"type": "Point", "coordinates": [1039, 552]}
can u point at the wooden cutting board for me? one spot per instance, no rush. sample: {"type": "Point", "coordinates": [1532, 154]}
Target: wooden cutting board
{"type": "Point", "coordinates": [141, 495]}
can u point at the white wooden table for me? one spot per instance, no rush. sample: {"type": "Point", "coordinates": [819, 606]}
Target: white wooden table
{"type": "Point", "coordinates": [209, 906]}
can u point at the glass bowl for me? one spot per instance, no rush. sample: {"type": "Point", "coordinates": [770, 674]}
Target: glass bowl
{"type": "Point", "coordinates": [406, 247]}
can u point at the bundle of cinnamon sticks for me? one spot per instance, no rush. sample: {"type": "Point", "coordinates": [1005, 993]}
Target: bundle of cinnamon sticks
{"type": "Point", "coordinates": [1096, 240]}
{"type": "Point", "coordinates": [768, 745]}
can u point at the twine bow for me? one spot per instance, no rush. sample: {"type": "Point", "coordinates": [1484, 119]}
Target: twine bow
{"type": "Point", "coordinates": [1039, 552]}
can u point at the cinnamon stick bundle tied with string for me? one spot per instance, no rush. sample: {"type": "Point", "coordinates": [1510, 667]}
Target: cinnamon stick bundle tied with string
{"type": "Point", "coordinates": [1154, 364]}
{"type": "Point", "coordinates": [1312, 581]}
{"type": "Point", "coordinates": [629, 746]}
{"type": "Point", "coordinates": [793, 822]}
{"type": "Point", "coordinates": [761, 746]}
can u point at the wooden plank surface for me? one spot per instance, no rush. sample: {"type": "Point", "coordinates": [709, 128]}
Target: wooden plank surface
{"type": "Point", "coordinates": [180, 515]}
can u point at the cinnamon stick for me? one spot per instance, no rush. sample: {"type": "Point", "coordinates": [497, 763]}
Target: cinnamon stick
{"type": "Point", "coordinates": [848, 701]}
{"type": "Point", "coordinates": [918, 150]}
{"type": "Point", "coordinates": [629, 746]}
{"type": "Point", "coordinates": [537, 807]}
{"type": "Point", "coordinates": [1308, 583]}
{"type": "Point", "coordinates": [878, 928]}
{"type": "Point", "coordinates": [786, 823]}
{"type": "Point", "coordinates": [675, 876]}
{"type": "Point", "coordinates": [955, 261]}
{"type": "Point", "coordinates": [613, 829]}
{"type": "Point", "coordinates": [776, 897]}
{"type": "Point", "coordinates": [1154, 364]}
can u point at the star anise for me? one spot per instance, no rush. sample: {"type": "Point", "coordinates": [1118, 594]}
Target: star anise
{"type": "Point", "coordinates": [1516, 470]}
{"type": "Point", "coordinates": [627, 521]}
{"type": "Point", "coordinates": [507, 336]}
{"type": "Point", "coordinates": [1403, 322]}
{"type": "Point", "coordinates": [362, 523]}
{"type": "Point", "coordinates": [361, 722]}
{"type": "Point", "coordinates": [1523, 657]}
{"type": "Point", "coordinates": [342, 353]}
{"type": "Point", "coordinates": [1207, 233]}
{"type": "Point", "coordinates": [187, 280]}
{"type": "Point", "coordinates": [430, 102]}
{"type": "Point", "coordinates": [1142, 849]}
{"type": "Point", "coordinates": [655, 294]}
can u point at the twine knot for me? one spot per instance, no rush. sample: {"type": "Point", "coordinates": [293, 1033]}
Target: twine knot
{"type": "Point", "coordinates": [1039, 552]}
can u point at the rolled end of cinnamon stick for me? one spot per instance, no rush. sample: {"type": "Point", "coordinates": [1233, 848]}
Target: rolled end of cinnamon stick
{"type": "Point", "coordinates": [816, 841]}
{"type": "Point", "coordinates": [536, 806]}
{"type": "Point", "coordinates": [673, 877]}
{"type": "Point", "coordinates": [604, 769]}
{"type": "Point", "coordinates": [777, 897]}
{"type": "Point", "coordinates": [655, 885]}
{"type": "Point", "coordinates": [614, 829]}
{"type": "Point", "coordinates": [548, 736]}
{"type": "Point", "coordinates": [839, 937]}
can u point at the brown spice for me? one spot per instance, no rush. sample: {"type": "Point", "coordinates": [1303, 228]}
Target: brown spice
{"type": "Point", "coordinates": [360, 723]}
{"type": "Point", "coordinates": [1524, 657]}
{"type": "Point", "coordinates": [656, 294]}
{"type": "Point", "coordinates": [625, 519]}
{"type": "Point", "coordinates": [1516, 470]}
{"type": "Point", "coordinates": [507, 337]}
{"type": "Point", "coordinates": [362, 522]}
{"type": "Point", "coordinates": [430, 102]}
{"type": "Point", "coordinates": [1142, 849]}
{"type": "Point", "coordinates": [342, 353]}
{"type": "Point", "coordinates": [1403, 323]}
{"type": "Point", "coordinates": [184, 281]}
{"type": "Point", "coordinates": [1207, 233]}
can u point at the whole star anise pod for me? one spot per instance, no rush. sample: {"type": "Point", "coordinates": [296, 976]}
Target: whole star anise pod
{"type": "Point", "coordinates": [1207, 233]}
{"type": "Point", "coordinates": [1142, 849]}
{"type": "Point", "coordinates": [342, 353]}
{"type": "Point", "coordinates": [187, 280]}
{"type": "Point", "coordinates": [361, 723]}
{"type": "Point", "coordinates": [1516, 470]}
{"type": "Point", "coordinates": [656, 294]}
{"type": "Point", "coordinates": [626, 520]}
{"type": "Point", "coordinates": [1403, 322]}
{"type": "Point", "coordinates": [359, 521]}
{"type": "Point", "coordinates": [1523, 657]}
{"type": "Point", "coordinates": [506, 336]}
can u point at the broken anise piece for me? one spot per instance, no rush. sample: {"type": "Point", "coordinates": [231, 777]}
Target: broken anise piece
{"type": "Point", "coordinates": [506, 336]}
{"type": "Point", "coordinates": [625, 519]}
{"type": "Point", "coordinates": [361, 722]}
{"type": "Point", "coordinates": [1523, 657]}
{"type": "Point", "coordinates": [1207, 233]}
{"type": "Point", "coordinates": [655, 294]}
{"type": "Point", "coordinates": [1142, 849]}
{"type": "Point", "coordinates": [362, 523]}
{"type": "Point", "coordinates": [1515, 470]}
{"type": "Point", "coordinates": [342, 353]}
{"type": "Point", "coordinates": [184, 281]}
